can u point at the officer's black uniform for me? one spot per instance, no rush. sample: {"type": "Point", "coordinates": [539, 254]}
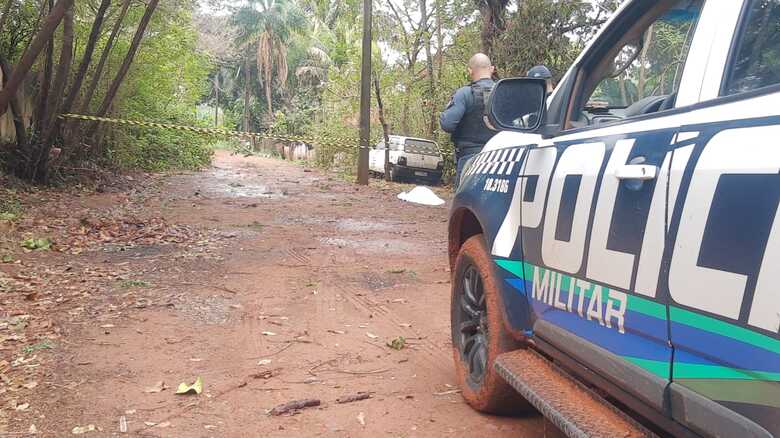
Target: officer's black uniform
{"type": "Point", "coordinates": [464, 119]}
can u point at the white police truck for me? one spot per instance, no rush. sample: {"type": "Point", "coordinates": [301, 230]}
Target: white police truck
{"type": "Point", "coordinates": [618, 242]}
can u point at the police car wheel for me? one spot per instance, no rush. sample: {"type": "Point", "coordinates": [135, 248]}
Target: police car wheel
{"type": "Point", "coordinates": [478, 333]}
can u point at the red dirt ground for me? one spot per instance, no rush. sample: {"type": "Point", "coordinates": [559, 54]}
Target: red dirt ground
{"type": "Point", "coordinates": [271, 282]}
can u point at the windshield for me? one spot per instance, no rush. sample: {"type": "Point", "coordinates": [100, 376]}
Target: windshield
{"type": "Point", "coordinates": [423, 147]}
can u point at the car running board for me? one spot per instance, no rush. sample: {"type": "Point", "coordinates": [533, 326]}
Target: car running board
{"type": "Point", "coordinates": [569, 405]}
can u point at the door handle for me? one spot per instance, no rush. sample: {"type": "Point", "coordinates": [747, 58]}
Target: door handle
{"type": "Point", "coordinates": [642, 172]}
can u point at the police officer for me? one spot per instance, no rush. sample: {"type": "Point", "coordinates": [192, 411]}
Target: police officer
{"type": "Point", "coordinates": [542, 72]}
{"type": "Point", "coordinates": [464, 116]}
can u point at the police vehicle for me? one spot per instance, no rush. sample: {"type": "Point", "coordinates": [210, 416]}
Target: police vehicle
{"type": "Point", "coordinates": [618, 242]}
{"type": "Point", "coordinates": [410, 158]}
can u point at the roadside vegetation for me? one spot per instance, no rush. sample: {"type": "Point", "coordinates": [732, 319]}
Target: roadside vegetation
{"type": "Point", "coordinates": [286, 67]}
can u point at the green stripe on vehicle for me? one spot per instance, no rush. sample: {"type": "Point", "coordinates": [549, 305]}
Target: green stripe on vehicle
{"type": "Point", "coordinates": [701, 371]}
{"type": "Point", "coordinates": [722, 328]}
{"type": "Point", "coordinates": [515, 268]}
{"type": "Point", "coordinates": [684, 370]}
{"type": "Point", "coordinates": [635, 303]}
{"type": "Point", "coordinates": [657, 367]}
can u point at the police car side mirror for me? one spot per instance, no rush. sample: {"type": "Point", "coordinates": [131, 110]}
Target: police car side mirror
{"type": "Point", "coordinates": [518, 104]}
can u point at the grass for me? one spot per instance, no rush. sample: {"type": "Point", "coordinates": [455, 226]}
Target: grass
{"type": "Point", "coordinates": [255, 225]}
{"type": "Point", "coordinates": [10, 207]}
{"type": "Point", "coordinates": [45, 345]}
{"type": "Point", "coordinates": [134, 283]}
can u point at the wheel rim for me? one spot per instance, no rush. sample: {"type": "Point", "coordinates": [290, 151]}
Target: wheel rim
{"type": "Point", "coordinates": [473, 328]}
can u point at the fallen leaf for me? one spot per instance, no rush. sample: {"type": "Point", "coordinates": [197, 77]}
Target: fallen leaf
{"type": "Point", "coordinates": [269, 334]}
{"type": "Point", "coordinates": [158, 387]}
{"type": "Point", "coordinates": [398, 343]}
{"type": "Point", "coordinates": [30, 385]}
{"type": "Point", "coordinates": [361, 418]}
{"type": "Point", "coordinates": [163, 424]}
{"type": "Point", "coordinates": [264, 361]}
{"type": "Point", "coordinates": [33, 430]}
{"type": "Point", "coordinates": [371, 335]}
{"type": "Point", "coordinates": [209, 426]}
{"type": "Point", "coordinates": [78, 430]}
{"type": "Point", "coordinates": [22, 407]}
{"type": "Point", "coordinates": [123, 424]}
{"type": "Point", "coordinates": [37, 244]}
{"type": "Point", "coordinates": [150, 423]}
{"type": "Point", "coordinates": [337, 332]}
{"type": "Point", "coordinates": [107, 326]}
{"type": "Point", "coordinates": [405, 324]}
{"type": "Point", "coordinates": [196, 387]}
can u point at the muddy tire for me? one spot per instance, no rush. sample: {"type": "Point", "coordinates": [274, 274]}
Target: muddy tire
{"type": "Point", "coordinates": [478, 333]}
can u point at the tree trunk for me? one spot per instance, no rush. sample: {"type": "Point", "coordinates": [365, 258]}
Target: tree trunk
{"type": "Point", "coordinates": [84, 107]}
{"type": "Point", "coordinates": [27, 60]}
{"type": "Point", "coordinates": [120, 75]}
{"type": "Point", "coordinates": [247, 90]}
{"type": "Point", "coordinates": [640, 86]}
{"type": "Point", "coordinates": [16, 109]}
{"type": "Point", "coordinates": [42, 112]}
{"type": "Point", "coordinates": [61, 79]}
{"type": "Point", "coordinates": [268, 81]}
{"type": "Point", "coordinates": [333, 14]}
{"type": "Point", "coordinates": [623, 92]}
{"type": "Point", "coordinates": [39, 170]}
{"type": "Point", "coordinates": [431, 99]}
{"type": "Point", "coordinates": [94, 35]}
{"type": "Point", "coordinates": [385, 129]}
{"type": "Point", "coordinates": [439, 40]}
{"type": "Point", "coordinates": [6, 11]}
{"type": "Point", "coordinates": [493, 23]}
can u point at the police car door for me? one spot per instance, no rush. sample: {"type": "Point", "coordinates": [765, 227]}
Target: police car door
{"type": "Point", "coordinates": [724, 244]}
{"type": "Point", "coordinates": [595, 199]}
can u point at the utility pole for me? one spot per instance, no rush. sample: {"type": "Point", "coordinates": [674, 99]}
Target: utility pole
{"type": "Point", "coordinates": [365, 96]}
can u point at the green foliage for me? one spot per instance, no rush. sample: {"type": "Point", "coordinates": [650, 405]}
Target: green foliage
{"type": "Point", "coordinates": [548, 32]}
{"type": "Point", "coordinates": [37, 244]}
{"type": "Point", "coordinates": [169, 79]}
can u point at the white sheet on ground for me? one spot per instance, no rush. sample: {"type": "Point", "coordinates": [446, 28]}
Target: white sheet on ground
{"type": "Point", "coordinates": [421, 195]}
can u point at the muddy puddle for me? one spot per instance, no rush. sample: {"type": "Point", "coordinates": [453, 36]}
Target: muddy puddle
{"type": "Point", "coordinates": [232, 184]}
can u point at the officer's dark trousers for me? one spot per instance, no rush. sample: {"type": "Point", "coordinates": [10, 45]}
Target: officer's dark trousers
{"type": "Point", "coordinates": [461, 157]}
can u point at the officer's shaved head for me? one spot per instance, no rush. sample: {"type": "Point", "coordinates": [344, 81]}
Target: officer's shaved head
{"type": "Point", "coordinates": [480, 67]}
{"type": "Point", "coordinates": [479, 60]}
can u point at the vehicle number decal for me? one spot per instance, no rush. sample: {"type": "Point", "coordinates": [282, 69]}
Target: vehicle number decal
{"type": "Point", "coordinates": [496, 185]}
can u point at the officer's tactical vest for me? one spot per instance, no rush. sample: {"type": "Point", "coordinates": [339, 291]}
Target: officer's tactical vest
{"type": "Point", "coordinates": [472, 129]}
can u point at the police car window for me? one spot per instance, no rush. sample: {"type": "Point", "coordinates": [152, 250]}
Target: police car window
{"type": "Point", "coordinates": [643, 71]}
{"type": "Point", "coordinates": [756, 61]}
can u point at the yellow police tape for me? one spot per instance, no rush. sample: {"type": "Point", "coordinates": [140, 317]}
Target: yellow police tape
{"type": "Point", "coordinates": [321, 140]}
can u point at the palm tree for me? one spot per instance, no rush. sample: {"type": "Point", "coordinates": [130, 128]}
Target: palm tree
{"type": "Point", "coordinates": [269, 24]}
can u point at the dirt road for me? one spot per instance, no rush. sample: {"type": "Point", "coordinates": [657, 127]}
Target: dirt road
{"type": "Point", "coordinates": [270, 282]}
